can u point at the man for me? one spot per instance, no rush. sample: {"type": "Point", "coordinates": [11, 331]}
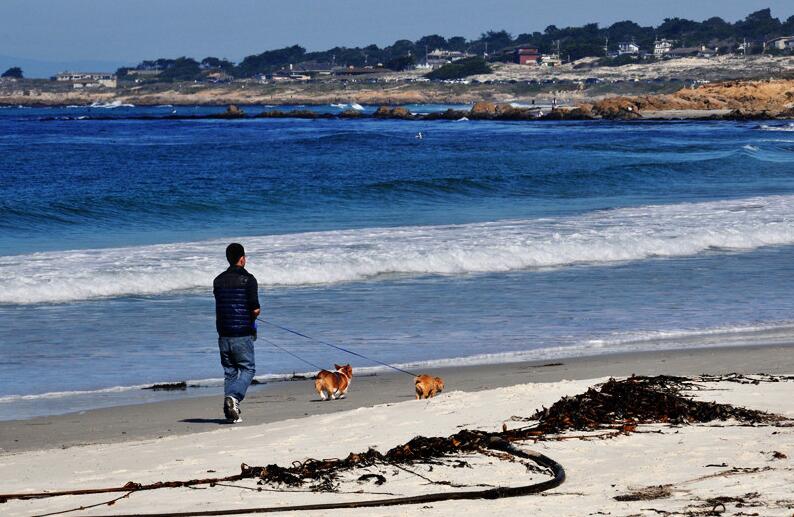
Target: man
{"type": "Point", "coordinates": [236, 310]}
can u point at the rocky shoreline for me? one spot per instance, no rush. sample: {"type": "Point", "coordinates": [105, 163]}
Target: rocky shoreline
{"type": "Point", "coordinates": [609, 110]}
{"type": "Point", "coordinates": [732, 100]}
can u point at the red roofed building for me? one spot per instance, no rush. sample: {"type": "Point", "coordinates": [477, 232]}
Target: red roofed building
{"type": "Point", "coordinates": [526, 56]}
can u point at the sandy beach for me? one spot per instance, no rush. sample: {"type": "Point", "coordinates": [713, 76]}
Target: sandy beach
{"type": "Point", "coordinates": [283, 423]}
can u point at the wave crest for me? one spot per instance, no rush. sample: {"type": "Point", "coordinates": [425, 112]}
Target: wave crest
{"type": "Point", "coordinates": [601, 237]}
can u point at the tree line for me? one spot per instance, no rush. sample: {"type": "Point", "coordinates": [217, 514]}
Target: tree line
{"type": "Point", "coordinates": [570, 42]}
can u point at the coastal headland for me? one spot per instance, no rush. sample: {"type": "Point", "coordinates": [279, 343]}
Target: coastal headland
{"type": "Point", "coordinates": [739, 87]}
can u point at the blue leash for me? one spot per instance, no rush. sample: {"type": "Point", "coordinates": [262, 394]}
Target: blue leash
{"type": "Point", "coordinates": [337, 347]}
{"type": "Point", "coordinates": [296, 356]}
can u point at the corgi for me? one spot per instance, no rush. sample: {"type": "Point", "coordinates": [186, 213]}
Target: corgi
{"type": "Point", "coordinates": [332, 385]}
{"type": "Point", "coordinates": [427, 386]}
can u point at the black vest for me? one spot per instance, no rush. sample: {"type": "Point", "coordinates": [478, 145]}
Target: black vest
{"type": "Point", "coordinates": [236, 297]}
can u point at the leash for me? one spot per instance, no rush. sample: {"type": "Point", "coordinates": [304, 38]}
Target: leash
{"type": "Point", "coordinates": [337, 347]}
{"type": "Point", "coordinates": [296, 356]}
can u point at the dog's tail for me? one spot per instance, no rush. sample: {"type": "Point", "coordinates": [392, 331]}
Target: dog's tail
{"type": "Point", "coordinates": [318, 383]}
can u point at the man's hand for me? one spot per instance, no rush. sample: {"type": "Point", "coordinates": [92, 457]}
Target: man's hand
{"type": "Point", "coordinates": [255, 313]}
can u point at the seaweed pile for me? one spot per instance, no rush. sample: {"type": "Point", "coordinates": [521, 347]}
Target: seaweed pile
{"type": "Point", "coordinates": [639, 400]}
{"type": "Point", "coordinates": [616, 404]}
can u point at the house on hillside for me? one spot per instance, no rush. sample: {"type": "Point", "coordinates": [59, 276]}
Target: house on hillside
{"type": "Point", "coordinates": [87, 79]}
{"type": "Point", "coordinates": [781, 43]}
{"type": "Point", "coordinates": [550, 60]}
{"type": "Point", "coordinates": [439, 57]}
{"type": "Point", "coordinates": [144, 73]}
{"type": "Point", "coordinates": [701, 51]}
{"type": "Point", "coordinates": [628, 48]}
{"type": "Point", "coordinates": [662, 47]}
{"type": "Point", "coordinates": [527, 56]}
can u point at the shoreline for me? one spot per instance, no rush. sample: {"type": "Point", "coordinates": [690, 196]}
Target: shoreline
{"type": "Point", "coordinates": [282, 401]}
{"type": "Point", "coordinates": [480, 111]}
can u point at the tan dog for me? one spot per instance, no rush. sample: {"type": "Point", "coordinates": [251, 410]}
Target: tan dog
{"type": "Point", "coordinates": [332, 385]}
{"type": "Point", "coordinates": [427, 386]}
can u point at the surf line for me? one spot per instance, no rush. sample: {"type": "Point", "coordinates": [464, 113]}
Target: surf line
{"type": "Point", "coordinates": [326, 343]}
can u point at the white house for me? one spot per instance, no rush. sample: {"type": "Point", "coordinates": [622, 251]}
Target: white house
{"type": "Point", "coordinates": [88, 79]}
{"type": "Point", "coordinates": [662, 47]}
{"type": "Point", "coordinates": [630, 48]}
{"type": "Point", "coordinates": [439, 58]}
{"type": "Point", "coordinates": [781, 43]}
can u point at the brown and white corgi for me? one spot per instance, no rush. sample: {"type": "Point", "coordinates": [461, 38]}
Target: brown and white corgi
{"type": "Point", "coordinates": [332, 385]}
{"type": "Point", "coordinates": [427, 386]}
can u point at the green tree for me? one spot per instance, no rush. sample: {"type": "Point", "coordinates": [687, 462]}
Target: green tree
{"type": "Point", "coordinates": [458, 43]}
{"type": "Point", "coordinates": [431, 42]}
{"type": "Point", "coordinates": [401, 63]}
{"type": "Point", "coordinates": [183, 69]}
{"type": "Point", "coordinates": [214, 63]}
{"type": "Point", "coordinates": [270, 60]}
{"type": "Point", "coordinates": [14, 73]}
{"type": "Point", "coordinates": [460, 69]}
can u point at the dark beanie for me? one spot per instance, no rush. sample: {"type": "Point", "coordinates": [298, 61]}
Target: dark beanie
{"type": "Point", "coordinates": [234, 252]}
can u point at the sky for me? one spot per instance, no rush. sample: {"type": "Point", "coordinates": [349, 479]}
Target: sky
{"type": "Point", "coordinates": [49, 35]}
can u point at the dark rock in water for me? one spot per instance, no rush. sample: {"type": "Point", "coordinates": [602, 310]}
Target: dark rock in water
{"type": "Point", "coordinates": [231, 112]}
{"type": "Point", "coordinates": [483, 110]}
{"type": "Point", "coordinates": [350, 113]}
{"type": "Point", "coordinates": [749, 115]}
{"type": "Point", "coordinates": [511, 113]}
{"type": "Point", "coordinates": [786, 114]}
{"type": "Point", "coordinates": [491, 111]}
{"type": "Point", "coordinates": [398, 113]}
{"type": "Point", "coordinates": [624, 114]}
{"type": "Point", "coordinates": [574, 114]}
{"type": "Point", "coordinates": [449, 114]}
{"type": "Point", "coordinates": [382, 112]}
{"type": "Point", "coordinates": [169, 386]}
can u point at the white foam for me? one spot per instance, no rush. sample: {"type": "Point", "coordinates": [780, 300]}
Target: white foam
{"type": "Point", "coordinates": [596, 238]}
{"type": "Point", "coordinates": [111, 105]}
{"type": "Point", "coordinates": [199, 383]}
{"type": "Point", "coordinates": [789, 127]}
{"type": "Point", "coordinates": [739, 335]}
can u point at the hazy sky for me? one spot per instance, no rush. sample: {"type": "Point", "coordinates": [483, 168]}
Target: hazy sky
{"type": "Point", "coordinates": [130, 30]}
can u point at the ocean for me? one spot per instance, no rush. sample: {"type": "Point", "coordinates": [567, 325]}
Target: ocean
{"type": "Point", "coordinates": [481, 242]}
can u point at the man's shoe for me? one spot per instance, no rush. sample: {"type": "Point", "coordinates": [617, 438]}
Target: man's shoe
{"type": "Point", "coordinates": [231, 408]}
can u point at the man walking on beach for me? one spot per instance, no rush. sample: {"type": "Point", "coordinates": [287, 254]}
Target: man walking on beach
{"type": "Point", "coordinates": [236, 310]}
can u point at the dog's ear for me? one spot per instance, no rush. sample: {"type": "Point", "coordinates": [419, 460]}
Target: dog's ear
{"type": "Point", "coordinates": [337, 367]}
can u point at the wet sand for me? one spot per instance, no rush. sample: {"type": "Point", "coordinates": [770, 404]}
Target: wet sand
{"type": "Point", "coordinates": [280, 401]}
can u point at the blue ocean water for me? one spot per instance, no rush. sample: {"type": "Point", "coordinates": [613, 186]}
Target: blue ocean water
{"type": "Point", "coordinates": [481, 242]}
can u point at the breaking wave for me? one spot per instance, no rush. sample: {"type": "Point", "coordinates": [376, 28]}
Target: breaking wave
{"type": "Point", "coordinates": [788, 127]}
{"type": "Point", "coordinates": [594, 238]}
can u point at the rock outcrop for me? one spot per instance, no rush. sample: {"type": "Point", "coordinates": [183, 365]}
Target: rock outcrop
{"type": "Point", "coordinates": [397, 112]}
{"type": "Point", "coordinates": [767, 99]}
